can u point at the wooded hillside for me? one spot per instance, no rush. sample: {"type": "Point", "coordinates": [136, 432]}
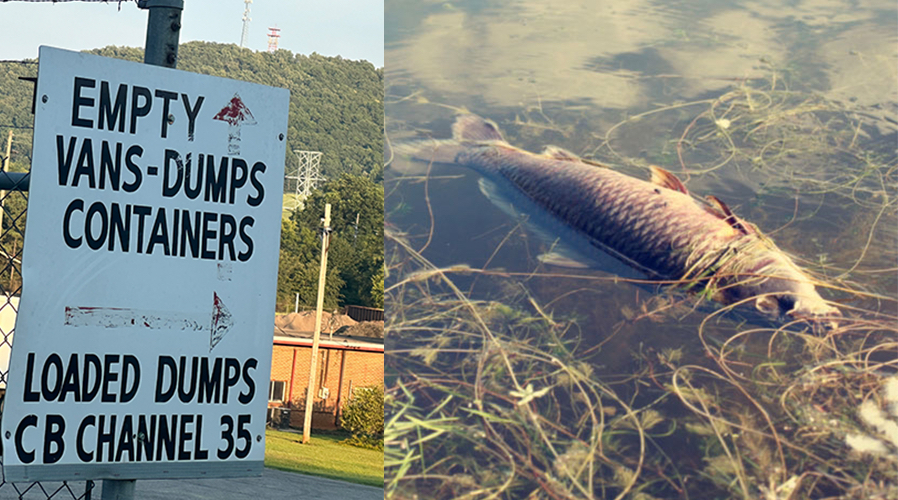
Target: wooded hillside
{"type": "Point", "coordinates": [336, 105]}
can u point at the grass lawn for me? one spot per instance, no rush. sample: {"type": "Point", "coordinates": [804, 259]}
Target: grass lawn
{"type": "Point", "coordinates": [324, 456]}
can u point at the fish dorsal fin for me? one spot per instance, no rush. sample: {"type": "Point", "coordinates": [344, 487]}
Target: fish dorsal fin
{"type": "Point", "coordinates": [558, 153]}
{"type": "Point", "coordinates": [720, 209]}
{"type": "Point", "coordinates": [666, 179]}
{"type": "Point", "coordinates": [471, 127]}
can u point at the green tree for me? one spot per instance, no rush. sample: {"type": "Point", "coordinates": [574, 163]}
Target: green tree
{"type": "Point", "coordinates": [363, 416]}
{"type": "Point", "coordinates": [356, 252]}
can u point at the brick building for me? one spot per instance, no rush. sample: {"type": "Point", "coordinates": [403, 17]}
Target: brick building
{"type": "Point", "coordinates": [344, 363]}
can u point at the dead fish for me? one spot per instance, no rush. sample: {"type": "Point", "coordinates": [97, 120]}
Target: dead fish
{"type": "Point", "coordinates": [653, 226]}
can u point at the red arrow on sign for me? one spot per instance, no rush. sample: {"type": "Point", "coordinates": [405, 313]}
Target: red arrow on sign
{"type": "Point", "coordinates": [119, 317]}
{"type": "Point", "coordinates": [235, 114]}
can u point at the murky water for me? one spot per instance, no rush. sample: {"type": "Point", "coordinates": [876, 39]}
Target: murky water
{"type": "Point", "coordinates": [785, 111]}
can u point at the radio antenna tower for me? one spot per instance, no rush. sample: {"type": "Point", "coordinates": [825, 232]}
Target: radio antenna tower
{"type": "Point", "coordinates": [273, 35]}
{"type": "Point", "coordinates": [246, 20]}
{"type": "Point", "coordinates": [304, 178]}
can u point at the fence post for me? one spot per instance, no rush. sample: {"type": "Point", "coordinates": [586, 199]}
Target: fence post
{"type": "Point", "coordinates": [161, 49]}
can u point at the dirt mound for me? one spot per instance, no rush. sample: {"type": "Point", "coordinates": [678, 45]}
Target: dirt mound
{"type": "Point", "coordinates": [372, 329]}
{"type": "Point", "coordinates": [304, 321]}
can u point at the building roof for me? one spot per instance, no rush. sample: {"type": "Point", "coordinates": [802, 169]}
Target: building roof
{"type": "Point", "coordinates": [326, 341]}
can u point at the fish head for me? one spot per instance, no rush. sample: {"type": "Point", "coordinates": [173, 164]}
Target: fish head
{"type": "Point", "coordinates": [807, 307]}
{"type": "Point", "coordinates": [785, 293]}
{"type": "Point", "coordinates": [768, 278]}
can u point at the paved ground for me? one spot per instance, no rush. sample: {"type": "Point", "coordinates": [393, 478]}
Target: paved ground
{"type": "Point", "coordinates": [272, 485]}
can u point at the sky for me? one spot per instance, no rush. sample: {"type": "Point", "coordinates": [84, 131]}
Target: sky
{"type": "Point", "coordinates": [352, 29]}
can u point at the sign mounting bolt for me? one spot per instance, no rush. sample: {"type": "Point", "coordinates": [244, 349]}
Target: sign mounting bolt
{"type": "Point", "coordinates": [280, 136]}
{"type": "Point", "coordinates": [44, 98]}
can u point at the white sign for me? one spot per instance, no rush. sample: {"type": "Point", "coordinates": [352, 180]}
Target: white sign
{"type": "Point", "coordinates": [143, 341]}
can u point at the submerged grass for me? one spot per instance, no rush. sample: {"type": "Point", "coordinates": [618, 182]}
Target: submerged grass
{"type": "Point", "coordinates": [499, 398]}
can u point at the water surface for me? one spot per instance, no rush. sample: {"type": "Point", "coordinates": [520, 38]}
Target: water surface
{"type": "Point", "coordinates": [786, 111]}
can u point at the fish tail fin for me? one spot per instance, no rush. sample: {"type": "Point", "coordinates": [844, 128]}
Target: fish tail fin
{"type": "Point", "coordinates": [468, 131]}
{"type": "Point", "coordinates": [437, 151]}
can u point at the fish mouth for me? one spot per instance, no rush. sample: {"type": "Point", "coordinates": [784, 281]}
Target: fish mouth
{"type": "Point", "coordinates": [821, 321]}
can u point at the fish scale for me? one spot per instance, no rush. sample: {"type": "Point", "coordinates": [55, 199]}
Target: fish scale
{"type": "Point", "coordinates": [625, 214]}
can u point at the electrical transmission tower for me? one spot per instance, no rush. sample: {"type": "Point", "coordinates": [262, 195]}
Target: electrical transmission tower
{"type": "Point", "coordinates": [246, 20]}
{"type": "Point", "coordinates": [273, 35]}
{"type": "Point", "coordinates": [301, 180]}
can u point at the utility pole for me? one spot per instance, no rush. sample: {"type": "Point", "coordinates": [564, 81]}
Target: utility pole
{"type": "Point", "coordinates": [161, 49]}
{"type": "Point", "coordinates": [313, 363]}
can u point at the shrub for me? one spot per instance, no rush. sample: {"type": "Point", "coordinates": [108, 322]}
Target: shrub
{"type": "Point", "coordinates": [363, 416]}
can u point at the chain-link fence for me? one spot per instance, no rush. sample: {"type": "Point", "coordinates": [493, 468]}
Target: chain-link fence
{"type": "Point", "coordinates": [13, 207]}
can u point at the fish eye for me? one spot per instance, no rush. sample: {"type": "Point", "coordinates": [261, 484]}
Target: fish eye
{"type": "Point", "coordinates": [786, 303]}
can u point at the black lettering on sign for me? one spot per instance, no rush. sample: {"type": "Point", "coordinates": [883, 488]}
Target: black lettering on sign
{"type": "Point", "coordinates": [25, 456]}
{"type": "Point", "coordinates": [30, 394]}
{"type": "Point", "coordinates": [192, 111]}
{"type": "Point", "coordinates": [53, 443]}
{"type": "Point", "coordinates": [185, 394]}
{"type": "Point", "coordinates": [208, 234]}
{"type": "Point", "coordinates": [49, 393]}
{"type": "Point", "coordinates": [92, 365]}
{"type": "Point", "coordinates": [165, 366]}
{"type": "Point", "coordinates": [64, 159]}
{"type": "Point", "coordinates": [239, 172]}
{"type": "Point", "coordinates": [167, 97]}
{"type": "Point", "coordinates": [71, 382]}
{"type": "Point", "coordinates": [70, 240]}
{"type": "Point", "coordinates": [199, 453]}
{"type": "Point", "coordinates": [105, 438]}
{"type": "Point", "coordinates": [133, 151]}
{"type": "Point", "coordinates": [130, 371]}
{"type": "Point", "coordinates": [125, 440]}
{"type": "Point", "coordinates": [258, 169]}
{"type": "Point", "coordinates": [193, 192]}
{"type": "Point", "coordinates": [97, 208]}
{"type": "Point", "coordinates": [138, 110]}
{"type": "Point", "coordinates": [216, 184]}
{"type": "Point", "coordinates": [83, 454]}
{"type": "Point", "coordinates": [171, 183]}
{"type": "Point", "coordinates": [184, 436]}
{"type": "Point", "coordinates": [109, 376]}
{"type": "Point", "coordinates": [120, 225]}
{"type": "Point", "coordinates": [159, 234]}
{"type": "Point", "coordinates": [142, 212]}
{"type": "Point", "coordinates": [112, 113]}
{"type": "Point", "coordinates": [85, 164]}
{"type": "Point", "coordinates": [167, 437]}
{"type": "Point", "coordinates": [79, 100]}
{"type": "Point", "coordinates": [210, 382]}
{"type": "Point", "coordinates": [111, 166]}
{"type": "Point", "coordinates": [146, 436]}
{"type": "Point", "coordinates": [245, 223]}
{"type": "Point", "coordinates": [226, 236]}
{"type": "Point", "coordinates": [246, 397]}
